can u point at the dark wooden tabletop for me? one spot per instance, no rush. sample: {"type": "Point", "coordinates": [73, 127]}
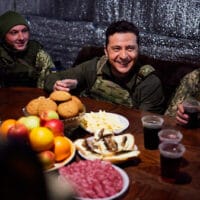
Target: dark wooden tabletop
{"type": "Point", "coordinates": [144, 171]}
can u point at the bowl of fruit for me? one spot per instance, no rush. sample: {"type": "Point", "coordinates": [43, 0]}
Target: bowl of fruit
{"type": "Point", "coordinates": [45, 137]}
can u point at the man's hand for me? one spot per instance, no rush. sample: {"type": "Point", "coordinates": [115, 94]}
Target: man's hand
{"type": "Point", "coordinates": [181, 117]}
{"type": "Point", "coordinates": [65, 84]}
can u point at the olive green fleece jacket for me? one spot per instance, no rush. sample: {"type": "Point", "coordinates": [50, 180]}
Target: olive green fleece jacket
{"type": "Point", "coordinates": [147, 95]}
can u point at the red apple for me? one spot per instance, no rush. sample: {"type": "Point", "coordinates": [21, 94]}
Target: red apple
{"type": "Point", "coordinates": [48, 115]}
{"type": "Point", "coordinates": [56, 126]}
{"type": "Point", "coordinates": [18, 133]}
{"type": "Point", "coordinates": [47, 159]}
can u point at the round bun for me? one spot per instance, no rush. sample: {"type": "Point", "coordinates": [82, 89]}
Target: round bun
{"type": "Point", "coordinates": [60, 96]}
{"type": "Point", "coordinates": [66, 105]}
{"type": "Point", "coordinates": [79, 103]}
{"type": "Point", "coordinates": [68, 109]}
{"type": "Point", "coordinates": [46, 104]}
{"type": "Point", "coordinates": [32, 106]}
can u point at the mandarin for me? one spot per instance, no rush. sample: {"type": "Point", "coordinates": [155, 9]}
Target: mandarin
{"type": "Point", "coordinates": [62, 148]}
{"type": "Point", "coordinates": [41, 139]}
{"type": "Point", "coordinates": [5, 125]}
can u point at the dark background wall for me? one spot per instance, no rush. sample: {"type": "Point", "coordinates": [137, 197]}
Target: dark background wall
{"type": "Point", "coordinates": [170, 29]}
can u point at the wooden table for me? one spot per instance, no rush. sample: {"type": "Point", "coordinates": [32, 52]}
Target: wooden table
{"type": "Point", "coordinates": [143, 172]}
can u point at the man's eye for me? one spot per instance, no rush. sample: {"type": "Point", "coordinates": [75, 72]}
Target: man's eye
{"type": "Point", "coordinates": [13, 32]}
{"type": "Point", "coordinates": [25, 30]}
{"type": "Point", "coordinates": [116, 49]}
{"type": "Point", "coordinates": [131, 48]}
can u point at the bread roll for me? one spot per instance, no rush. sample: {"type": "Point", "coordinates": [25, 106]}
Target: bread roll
{"type": "Point", "coordinates": [124, 149]}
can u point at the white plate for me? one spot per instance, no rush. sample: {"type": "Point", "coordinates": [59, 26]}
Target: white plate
{"type": "Point", "coordinates": [66, 161]}
{"type": "Point", "coordinates": [110, 122]}
{"type": "Point", "coordinates": [116, 160]}
{"type": "Point", "coordinates": [123, 190]}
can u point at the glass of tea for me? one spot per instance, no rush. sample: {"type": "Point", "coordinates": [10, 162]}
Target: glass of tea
{"type": "Point", "coordinates": [192, 109]}
{"type": "Point", "coordinates": [170, 135]}
{"type": "Point", "coordinates": [152, 124]}
{"type": "Point", "coordinates": [170, 159]}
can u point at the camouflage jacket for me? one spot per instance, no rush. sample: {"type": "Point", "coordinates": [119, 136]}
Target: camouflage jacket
{"type": "Point", "coordinates": [142, 90]}
{"type": "Point", "coordinates": [107, 89]}
{"type": "Point", "coordinates": [28, 68]}
{"type": "Point", "coordinates": [189, 88]}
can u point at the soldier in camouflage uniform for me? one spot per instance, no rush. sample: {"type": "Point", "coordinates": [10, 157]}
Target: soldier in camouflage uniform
{"type": "Point", "coordinates": [23, 62]}
{"type": "Point", "coordinates": [189, 88]}
{"type": "Point", "coordinates": [117, 76]}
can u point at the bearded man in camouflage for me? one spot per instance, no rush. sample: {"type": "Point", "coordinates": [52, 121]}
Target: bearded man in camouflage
{"type": "Point", "coordinates": [117, 76]}
{"type": "Point", "coordinates": [23, 62]}
{"type": "Point", "coordinates": [189, 88]}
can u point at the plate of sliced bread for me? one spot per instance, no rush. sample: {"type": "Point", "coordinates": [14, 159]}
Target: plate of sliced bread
{"type": "Point", "coordinates": [113, 148]}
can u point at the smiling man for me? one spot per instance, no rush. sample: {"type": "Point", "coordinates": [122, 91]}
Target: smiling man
{"type": "Point", "coordinates": [23, 62]}
{"type": "Point", "coordinates": [117, 76]}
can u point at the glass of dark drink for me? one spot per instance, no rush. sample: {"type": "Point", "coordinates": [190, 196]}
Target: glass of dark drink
{"type": "Point", "coordinates": [170, 159]}
{"type": "Point", "coordinates": [152, 124]}
{"type": "Point", "coordinates": [170, 135]}
{"type": "Point", "coordinates": [192, 109]}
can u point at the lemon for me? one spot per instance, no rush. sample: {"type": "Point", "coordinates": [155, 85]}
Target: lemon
{"type": "Point", "coordinates": [41, 139]}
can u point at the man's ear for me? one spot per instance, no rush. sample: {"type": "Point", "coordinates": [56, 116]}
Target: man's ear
{"type": "Point", "coordinates": [105, 51]}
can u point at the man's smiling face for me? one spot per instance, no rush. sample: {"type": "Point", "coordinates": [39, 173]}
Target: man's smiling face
{"type": "Point", "coordinates": [122, 51]}
{"type": "Point", "coordinates": [17, 37]}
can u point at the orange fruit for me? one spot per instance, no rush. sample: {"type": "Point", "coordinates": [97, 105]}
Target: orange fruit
{"type": "Point", "coordinates": [62, 148]}
{"type": "Point", "coordinates": [5, 125]}
{"type": "Point", "coordinates": [41, 139]}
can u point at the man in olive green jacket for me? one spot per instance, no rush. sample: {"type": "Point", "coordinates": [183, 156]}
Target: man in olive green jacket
{"type": "Point", "coordinates": [189, 88]}
{"type": "Point", "coordinates": [23, 62]}
{"type": "Point", "coordinates": [115, 77]}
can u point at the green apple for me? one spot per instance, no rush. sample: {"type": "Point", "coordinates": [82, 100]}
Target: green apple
{"type": "Point", "coordinates": [30, 122]}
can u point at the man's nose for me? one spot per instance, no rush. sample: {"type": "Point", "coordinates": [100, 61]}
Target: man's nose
{"type": "Point", "coordinates": [20, 36]}
{"type": "Point", "coordinates": [123, 54]}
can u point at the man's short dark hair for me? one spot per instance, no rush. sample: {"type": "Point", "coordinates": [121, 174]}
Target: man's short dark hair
{"type": "Point", "coordinates": [122, 27]}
